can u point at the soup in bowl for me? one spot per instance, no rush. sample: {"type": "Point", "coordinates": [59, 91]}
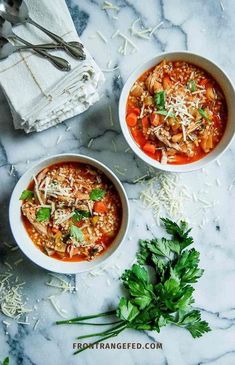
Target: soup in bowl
{"type": "Point", "coordinates": [176, 111]}
{"type": "Point", "coordinates": [69, 213]}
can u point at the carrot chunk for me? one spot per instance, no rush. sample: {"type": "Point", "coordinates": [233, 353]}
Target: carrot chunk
{"type": "Point", "coordinates": [100, 207]}
{"type": "Point", "coordinates": [155, 119]}
{"type": "Point", "coordinates": [138, 136]}
{"type": "Point", "coordinates": [145, 122]}
{"type": "Point", "coordinates": [203, 82]}
{"type": "Point", "coordinates": [136, 111]}
{"type": "Point", "coordinates": [167, 82]}
{"type": "Point", "coordinates": [149, 148]}
{"type": "Point", "coordinates": [131, 119]}
{"type": "Point", "coordinates": [132, 108]}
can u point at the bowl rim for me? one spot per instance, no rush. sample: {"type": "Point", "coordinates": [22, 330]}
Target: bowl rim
{"type": "Point", "coordinates": [41, 259]}
{"type": "Point", "coordinates": [137, 72]}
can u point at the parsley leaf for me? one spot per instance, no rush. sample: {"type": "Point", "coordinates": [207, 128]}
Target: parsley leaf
{"type": "Point", "coordinates": [80, 214]}
{"type": "Point", "coordinates": [126, 310]}
{"type": "Point", "coordinates": [192, 85]}
{"type": "Point", "coordinates": [97, 194]}
{"type": "Point", "coordinates": [180, 232]}
{"type": "Point", "coordinates": [137, 282]}
{"type": "Point", "coordinates": [6, 361]}
{"type": "Point", "coordinates": [26, 194]}
{"type": "Point", "coordinates": [76, 233]}
{"type": "Point", "coordinates": [204, 114]}
{"type": "Point", "coordinates": [193, 323]}
{"type": "Point", "coordinates": [187, 266]}
{"type": "Point", "coordinates": [165, 112]}
{"type": "Point", "coordinates": [160, 100]}
{"type": "Point", "coordinates": [43, 214]}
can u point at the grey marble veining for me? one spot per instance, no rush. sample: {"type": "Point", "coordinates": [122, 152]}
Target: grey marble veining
{"type": "Point", "coordinates": [208, 28]}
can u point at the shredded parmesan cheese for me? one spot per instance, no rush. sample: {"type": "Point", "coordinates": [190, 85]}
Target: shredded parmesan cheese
{"type": "Point", "coordinates": [114, 146]}
{"type": "Point", "coordinates": [11, 297]}
{"type": "Point", "coordinates": [58, 139]}
{"type": "Point", "coordinates": [60, 283]}
{"type": "Point", "coordinates": [221, 5]}
{"type": "Point", "coordinates": [56, 306]}
{"type": "Point", "coordinates": [115, 34]}
{"type": "Point", "coordinates": [164, 195]}
{"type": "Point", "coordinates": [36, 324]}
{"type": "Point", "coordinates": [37, 191]}
{"type": "Point", "coordinates": [110, 69]}
{"type": "Point", "coordinates": [104, 39]}
{"type": "Point", "coordinates": [111, 116]}
{"type": "Point", "coordinates": [12, 170]}
{"type": "Point", "coordinates": [145, 33]}
{"type": "Point", "coordinates": [90, 142]}
{"type": "Point", "coordinates": [107, 5]}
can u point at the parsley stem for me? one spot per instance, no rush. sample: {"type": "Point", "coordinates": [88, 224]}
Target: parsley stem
{"type": "Point", "coordinates": [100, 340]}
{"type": "Point", "coordinates": [95, 324]}
{"type": "Point", "coordinates": [111, 330]}
{"type": "Point", "coordinates": [77, 319]}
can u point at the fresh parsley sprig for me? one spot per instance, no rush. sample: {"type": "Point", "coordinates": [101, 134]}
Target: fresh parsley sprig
{"type": "Point", "coordinates": [162, 299]}
{"type": "Point", "coordinates": [6, 361]}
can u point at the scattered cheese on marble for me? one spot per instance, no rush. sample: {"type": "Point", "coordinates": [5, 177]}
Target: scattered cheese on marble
{"type": "Point", "coordinates": [58, 139]}
{"type": "Point", "coordinates": [221, 5]}
{"type": "Point", "coordinates": [111, 116]}
{"type": "Point", "coordinates": [60, 283]}
{"type": "Point", "coordinates": [110, 69]}
{"type": "Point", "coordinates": [56, 306]}
{"type": "Point", "coordinates": [15, 248]}
{"type": "Point", "coordinates": [120, 172]}
{"type": "Point", "coordinates": [167, 196]}
{"type": "Point", "coordinates": [140, 178]}
{"type": "Point", "coordinates": [7, 245]}
{"type": "Point", "coordinates": [145, 33]}
{"type": "Point", "coordinates": [90, 142]}
{"type": "Point", "coordinates": [164, 192]}
{"type": "Point", "coordinates": [11, 297]}
{"type": "Point", "coordinates": [115, 34]}
{"type": "Point", "coordinates": [107, 5]}
{"type": "Point", "coordinates": [17, 262]}
{"type": "Point", "coordinates": [36, 324]}
{"type": "Point", "coordinates": [12, 170]}
{"type": "Point", "coordinates": [104, 39]}
{"type": "Point", "coordinates": [114, 146]}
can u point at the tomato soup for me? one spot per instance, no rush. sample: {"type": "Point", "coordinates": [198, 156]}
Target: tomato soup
{"type": "Point", "coordinates": [176, 112]}
{"type": "Point", "coordinates": [71, 211]}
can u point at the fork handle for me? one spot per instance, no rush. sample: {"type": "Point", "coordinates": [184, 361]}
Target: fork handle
{"type": "Point", "coordinates": [75, 51]}
{"type": "Point", "coordinates": [58, 62]}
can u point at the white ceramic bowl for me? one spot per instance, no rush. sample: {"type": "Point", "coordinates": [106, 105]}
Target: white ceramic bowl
{"type": "Point", "coordinates": [29, 248]}
{"type": "Point", "coordinates": [217, 73]}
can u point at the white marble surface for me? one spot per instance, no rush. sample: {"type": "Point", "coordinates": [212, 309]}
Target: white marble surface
{"type": "Point", "coordinates": [197, 25]}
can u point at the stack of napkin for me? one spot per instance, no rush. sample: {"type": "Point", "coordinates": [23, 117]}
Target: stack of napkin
{"type": "Point", "coordinates": [39, 95]}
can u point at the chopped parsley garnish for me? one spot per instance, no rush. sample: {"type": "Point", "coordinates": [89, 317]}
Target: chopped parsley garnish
{"type": "Point", "coordinates": [76, 233]}
{"type": "Point", "coordinates": [165, 112]}
{"type": "Point", "coordinates": [6, 361]}
{"type": "Point", "coordinates": [160, 100]}
{"type": "Point", "coordinates": [80, 214]}
{"type": "Point", "coordinates": [43, 214]}
{"type": "Point", "coordinates": [192, 85]}
{"type": "Point", "coordinates": [26, 194]}
{"type": "Point", "coordinates": [97, 194]}
{"type": "Point", "coordinates": [165, 297]}
{"type": "Point", "coordinates": [203, 114]}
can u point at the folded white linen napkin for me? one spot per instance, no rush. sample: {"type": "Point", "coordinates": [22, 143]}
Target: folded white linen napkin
{"type": "Point", "coordinates": [39, 94]}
